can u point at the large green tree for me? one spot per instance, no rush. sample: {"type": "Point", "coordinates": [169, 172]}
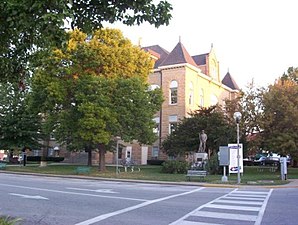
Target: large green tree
{"type": "Point", "coordinates": [280, 117]}
{"type": "Point", "coordinates": [19, 126]}
{"type": "Point", "coordinates": [95, 89]}
{"type": "Point", "coordinates": [185, 138]}
{"type": "Point", "coordinates": [28, 26]}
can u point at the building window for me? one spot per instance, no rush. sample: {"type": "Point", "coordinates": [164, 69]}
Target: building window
{"type": "Point", "coordinates": [173, 120]}
{"type": "Point", "coordinates": [153, 87]}
{"type": "Point", "coordinates": [214, 99]}
{"type": "Point", "coordinates": [173, 92]}
{"type": "Point", "coordinates": [202, 97]}
{"type": "Point", "coordinates": [156, 127]}
{"type": "Point", "coordinates": [155, 151]}
{"type": "Point", "coordinates": [190, 97]}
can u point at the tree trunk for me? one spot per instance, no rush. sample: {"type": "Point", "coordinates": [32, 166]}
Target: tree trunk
{"type": "Point", "coordinates": [102, 161]}
{"type": "Point", "coordinates": [43, 161]}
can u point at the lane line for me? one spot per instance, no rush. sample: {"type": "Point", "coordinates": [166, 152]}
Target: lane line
{"type": "Point", "coordinates": [108, 215]}
{"type": "Point", "coordinates": [74, 193]}
{"type": "Point", "coordinates": [261, 213]}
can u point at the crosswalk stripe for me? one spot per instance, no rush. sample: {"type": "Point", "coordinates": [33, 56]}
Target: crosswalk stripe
{"type": "Point", "coordinates": [244, 198]}
{"type": "Point", "coordinates": [185, 222]}
{"type": "Point", "coordinates": [243, 195]}
{"type": "Point", "coordinates": [253, 192]}
{"type": "Point", "coordinates": [219, 215]}
{"type": "Point", "coordinates": [240, 202]}
{"type": "Point", "coordinates": [234, 207]}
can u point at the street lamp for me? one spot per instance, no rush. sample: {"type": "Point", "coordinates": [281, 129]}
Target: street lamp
{"type": "Point", "coordinates": [237, 117]}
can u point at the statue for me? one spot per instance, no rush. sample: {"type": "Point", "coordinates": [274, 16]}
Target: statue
{"type": "Point", "coordinates": [203, 139]}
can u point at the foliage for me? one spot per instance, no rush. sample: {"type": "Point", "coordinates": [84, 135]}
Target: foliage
{"type": "Point", "coordinates": [155, 162]}
{"type": "Point", "coordinates": [95, 89]}
{"type": "Point", "coordinates": [9, 221]}
{"type": "Point", "coordinates": [213, 165]}
{"type": "Point", "coordinates": [185, 138]}
{"type": "Point", "coordinates": [291, 75]}
{"type": "Point", "coordinates": [19, 126]}
{"type": "Point", "coordinates": [280, 118]}
{"type": "Point", "coordinates": [29, 26]}
{"type": "Point", "coordinates": [174, 166]}
{"type": "Point", "coordinates": [49, 158]}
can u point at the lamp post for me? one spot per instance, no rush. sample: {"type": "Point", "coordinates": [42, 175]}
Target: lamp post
{"type": "Point", "coordinates": [237, 117]}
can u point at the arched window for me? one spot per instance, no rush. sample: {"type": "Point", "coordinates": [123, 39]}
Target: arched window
{"type": "Point", "coordinates": [202, 97]}
{"type": "Point", "coordinates": [214, 99]}
{"type": "Point", "coordinates": [153, 87]}
{"type": "Point", "coordinates": [173, 92]}
{"type": "Point", "coordinates": [190, 97]}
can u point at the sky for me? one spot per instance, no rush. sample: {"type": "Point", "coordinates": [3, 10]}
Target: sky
{"type": "Point", "coordinates": [253, 39]}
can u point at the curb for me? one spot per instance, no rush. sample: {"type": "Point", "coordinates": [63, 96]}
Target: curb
{"type": "Point", "coordinates": [201, 184]}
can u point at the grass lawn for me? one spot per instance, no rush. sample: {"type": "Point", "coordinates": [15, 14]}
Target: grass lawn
{"type": "Point", "coordinates": [251, 174]}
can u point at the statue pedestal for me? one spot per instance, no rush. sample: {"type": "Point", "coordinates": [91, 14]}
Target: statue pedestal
{"type": "Point", "coordinates": [201, 156]}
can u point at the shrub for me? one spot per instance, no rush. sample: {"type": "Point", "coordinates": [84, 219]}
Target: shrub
{"type": "Point", "coordinates": [38, 158]}
{"type": "Point", "coordinates": [213, 165]}
{"type": "Point", "coordinates": [155, 162]}
{"type": "Point", "coordinates": [175, 166]}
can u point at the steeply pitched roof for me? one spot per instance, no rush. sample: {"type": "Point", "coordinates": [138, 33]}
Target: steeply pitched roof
{"type": "Point", "coordinates": [200, 59]}
{"type": "Point", "coordinates": [177, 56]}
{"type": "Point", "coordinates": [230, 82]}
{"type": "Point", "coordinates": [160, 51]}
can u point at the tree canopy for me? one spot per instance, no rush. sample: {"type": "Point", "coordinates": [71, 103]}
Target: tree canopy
{"type": "Point", "coordinates": [280, 117]}
{"type": "Point", "coordinates": [19, 127]}
{"type": "Point", "coordinates": [95, 89]}
{"type": "Point", "coordinates": [28, 26]}
{"type": "Point", "coordinates": [185, 138]}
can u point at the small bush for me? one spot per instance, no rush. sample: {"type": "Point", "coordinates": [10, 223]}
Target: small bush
{"type": "Point", "coordinates": [9, 221]}
{"type": "Point", "coordinates": [213, 165]}
{"type": "Point", "coordinates": [155, 162]}
{"type": "Point", "coordinates": [38, 159]}
{"type": "Point", "coordinates": [175, 166]}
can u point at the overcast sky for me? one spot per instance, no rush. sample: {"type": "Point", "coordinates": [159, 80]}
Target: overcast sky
{"type": "Point", "coordinates": [253, 39]}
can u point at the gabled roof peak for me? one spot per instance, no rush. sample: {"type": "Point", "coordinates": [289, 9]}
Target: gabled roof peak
{"type": "Point", "coordinates": [178, 55]}
{"type": "Point", "coordinates": [230, 82]}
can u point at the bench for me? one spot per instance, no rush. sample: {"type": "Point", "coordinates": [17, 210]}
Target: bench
{"type": "Point", "coordinates": [2, 166]}
{"type": "Point", "coordinates": [196, 173]}
{"type": "Point", "coordinates": [82, 170]}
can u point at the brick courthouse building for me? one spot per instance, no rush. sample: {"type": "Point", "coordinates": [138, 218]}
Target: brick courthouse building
{"type": "Point", "coordinates": [187, 82]}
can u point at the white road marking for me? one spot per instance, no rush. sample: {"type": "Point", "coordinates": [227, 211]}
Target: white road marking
{"type": "Point", "coordinates": [220, 215]}
{"type": "Point", "coordinates": [185, 222]}
{"type": "Point", "coordinates": [250, 198]}
{"type": "Point", "coordinates": [234, 207]}
{"type": "Point", "coordinates": [239, 195]}
{"type": "Point", "coordinates": [181, 220]}
{"type": "Point", "coordinates": [240, 202]}
{"type": "Point", "coordinates": [29, 196]}
{"type": "Point", "coordinates": [73, 193]}
{"type": "Point", "coordinates": [200, 212]}
{"type": "Point", "coordinates": [253, 192]}
{"type": "Point", "coordinates": [105, 216]}
{"type": "Point", "coordinates": [261, 213]}
{"type": "Point", "coordinates": [109, 191]}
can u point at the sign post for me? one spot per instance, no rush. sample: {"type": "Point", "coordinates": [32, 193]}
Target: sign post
{"type": "Point", "coordinates": [224, 160]}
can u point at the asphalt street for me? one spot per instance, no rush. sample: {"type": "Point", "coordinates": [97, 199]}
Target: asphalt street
{"type": "Point", "coordinates": [67, 201]}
